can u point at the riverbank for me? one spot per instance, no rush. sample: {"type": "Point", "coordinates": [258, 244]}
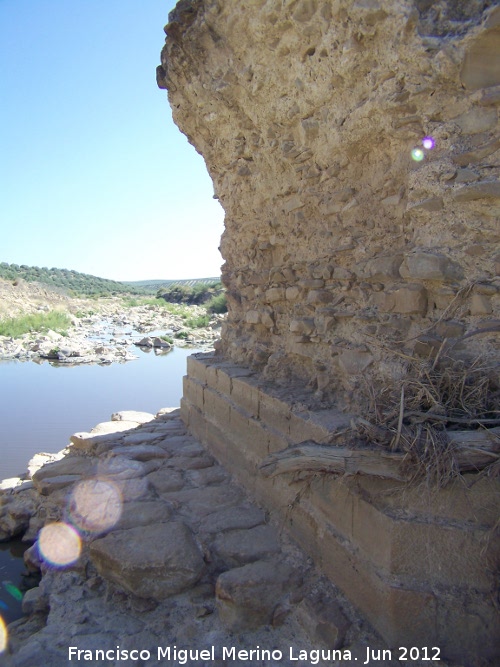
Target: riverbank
{"type": "Point", "coordinates": [104, 330]}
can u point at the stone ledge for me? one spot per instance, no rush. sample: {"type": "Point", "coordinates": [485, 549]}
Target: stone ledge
{"type": "Point", "coordinates": [412, 573]}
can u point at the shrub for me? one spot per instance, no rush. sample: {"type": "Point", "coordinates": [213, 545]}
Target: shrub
{"type": "Point", "coordinates": [197, 322]}
{"type": "Point", "coordinates": [217, 304]}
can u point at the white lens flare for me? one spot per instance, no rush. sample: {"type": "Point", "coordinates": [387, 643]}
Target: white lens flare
{"type": "Point", "coordinates": [95, 505]}
{"type": "Point", "coordinates": [59, 544]}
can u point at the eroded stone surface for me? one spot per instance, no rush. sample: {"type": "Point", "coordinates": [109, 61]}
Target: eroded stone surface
{"type": "Point", "coordinates": [153, 561]}
{"type": "Point", "coordinates": [247, 596]}
{"type": "Point", "coordinates": [149, 577]}
{"type": "Point", "coordinates": [307, 114]}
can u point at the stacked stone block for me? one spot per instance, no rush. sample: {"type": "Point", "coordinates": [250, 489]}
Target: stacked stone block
{"type": "Point", "coordinates": [418, 562]}
{"type": "Point", "coordinates": [340, 249]}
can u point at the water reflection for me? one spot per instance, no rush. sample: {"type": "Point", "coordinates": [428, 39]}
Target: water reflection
{"type": "Point", "coordinates": [42, 405]}
{"type": "Point", "coordinates": [14, 580]}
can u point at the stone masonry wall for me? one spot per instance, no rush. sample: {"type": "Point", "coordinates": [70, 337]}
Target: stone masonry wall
{"type": "Point", "coordinates": [339, 247]}
{"type": "Point", "coordinates": [354, 147]}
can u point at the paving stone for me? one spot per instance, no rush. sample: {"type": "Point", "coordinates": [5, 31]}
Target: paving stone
{"type": "Point", "coordinates": [69, 465]}
{"type": "Point", "coordinates": [137, 513]}
{"type": "Point", "coordinates": [141, 452]}
{"type": "Point", "coordinates": [246, 546]}
{"type": "Point", "coordinates": [154, 561]}
{"type": "Point", "coordinates": [211, 475]}
{"type": "Point", "coordinates": [323, 620]}
{"type": "Point", "coordinates": [50, 484]}
{"type": "Point", "coordinates": [191, 462]}
{"type": "Point", "coordinates": [247, 596]}
{"type": "Point", "coordinates": [202, 502]}
{"type": "Point", "coordinates": [165, 480]}
{"type": "Point", "coordinates": [234, 518]}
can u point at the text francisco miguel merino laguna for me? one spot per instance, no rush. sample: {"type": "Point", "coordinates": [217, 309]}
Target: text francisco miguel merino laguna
{"type": "Point", "coordinates": [187, 656]}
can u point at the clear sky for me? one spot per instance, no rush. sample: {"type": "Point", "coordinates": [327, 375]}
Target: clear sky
{"type": "Point", "coordinates": [94, 174]}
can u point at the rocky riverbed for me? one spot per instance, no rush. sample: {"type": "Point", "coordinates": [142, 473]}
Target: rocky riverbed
{"type": "Point", "coordinates": [145, 543]}
{"type": "Point", "coordinates": [108, 330]}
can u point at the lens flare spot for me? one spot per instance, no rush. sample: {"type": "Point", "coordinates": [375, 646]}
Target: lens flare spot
{"type": "Point", "coordinates": [3, 635]}
{"type": "Point", "coordinates": [12, 590]}
{"type": "Point", "coordinates": [95, 505]}
{"type": "Point", "coordinates": [428, 143]}
{"type": "Point", "coordinates": [417, 154]}
{"type": "Point", "coordinates": [59, 544]}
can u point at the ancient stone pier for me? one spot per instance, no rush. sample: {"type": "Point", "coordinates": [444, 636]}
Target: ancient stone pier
{"type": "Point", "coordinates": [354, 147]}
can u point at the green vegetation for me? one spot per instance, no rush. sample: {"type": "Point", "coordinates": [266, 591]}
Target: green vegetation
{"type": "Point", "coordinates": [39, 322]}
{"type": "Point", "coordinates": [69, 282]}
{"type": "Point", "coordinates": [84, 313]}
{"type": "Point", "coordinates": [217, 304]}
{"type": "Point", "coordinates": [197, 322]}
{"type": "Point", "coordinates": [178, 298]}
{"type": "Point", "coordinates": [195, 295]}
{"type": "Point", "coordinates": [153, 286]}
{"type": "Point", "coordinates": [168, 339]}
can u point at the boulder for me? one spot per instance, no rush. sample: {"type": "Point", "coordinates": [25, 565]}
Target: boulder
{"type": "Point", "coordinates": [154, 561]}
{"type": "Point", "coordinates": [247, 596]}
{"type": "Point", "coordinates": [247, 545]}
{"type": "Point", "coordinates": [70, 465]}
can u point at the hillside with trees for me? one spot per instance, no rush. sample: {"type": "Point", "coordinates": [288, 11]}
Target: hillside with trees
{"type": "Point", "coordinates": [155, 286]}
{"type": "Point", "coordinates": [67, 281]}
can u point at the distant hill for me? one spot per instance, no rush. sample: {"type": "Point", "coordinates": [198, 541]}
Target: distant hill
{"type": "Point", "coordinates": [70, 282]}
{"type": "Point", "coordinates": [152, 286]}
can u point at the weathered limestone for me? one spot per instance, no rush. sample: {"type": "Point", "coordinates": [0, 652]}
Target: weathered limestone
{"type": "Point", "coordinates": [247, 596]}
{"type": "Point", "coordinates": [418, 562]}
{"type": "Point", "coordinates": [188, 566]}
{"type": "Point", "coordinates": [307, 114]}
{"type": "Point", "coordinates": [354, 147]}
{"type": "Point", "coordinates": [154, 561]}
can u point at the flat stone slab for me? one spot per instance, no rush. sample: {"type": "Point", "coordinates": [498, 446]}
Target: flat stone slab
{"type": "Point", "coordinates": [205, 476]}
{"type": "Point", "coordinates": [50, 484]}
{"type": "Point", "coordinates": [234, 518]}
{"type": "Point", "coordinates": [239, 547]}
{"type": "Point", "coordinates": [191, 462]}
{"type": "Point", "coordinates": [105, 432]}
{"type": "Point", "coordinates": [136, 513]}
{"type": "Point", "coordinates": [154, 561]}
{"type": "Point", "coordinates": [202, 502]}
{"type": "Point", "coordinates": [69, 465]}
{"type": "Point", "coordinates": [119, 467]}
{"type": "Point", "coordinates": [166, 480]}
{"type": "Point", "coordinates": [248, 596]}
{"type": "Point", "coordinates": [105, 428]}
{"type": "Point", "coordinates": [141, 452]}
{"type": "Point", "coordinates": [139, 438]}
{"type": "Point", "coordinates": [132, 416]}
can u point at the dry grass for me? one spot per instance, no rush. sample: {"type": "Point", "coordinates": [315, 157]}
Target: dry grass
{"type": "Point", "coordinates": [434, 398]}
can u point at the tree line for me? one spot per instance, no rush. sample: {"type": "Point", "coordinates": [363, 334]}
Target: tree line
{"type": "Point", "coordinates": [70, 282]}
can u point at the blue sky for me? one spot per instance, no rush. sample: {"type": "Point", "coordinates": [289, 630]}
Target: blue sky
{"type": "Point", "coordinates": [94, 174]}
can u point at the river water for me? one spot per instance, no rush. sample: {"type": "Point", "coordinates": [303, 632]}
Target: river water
{"type": "Point", "coordinates": [41, 405]}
